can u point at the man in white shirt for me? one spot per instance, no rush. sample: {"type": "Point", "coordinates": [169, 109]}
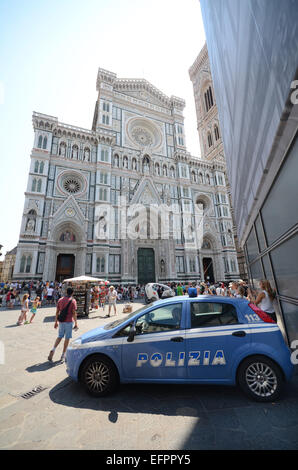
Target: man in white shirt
{"type": "Point", "coordinates": [50, 295]}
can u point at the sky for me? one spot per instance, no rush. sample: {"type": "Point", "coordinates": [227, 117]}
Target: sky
{"type": "Point", "coordinates": [50, 52]}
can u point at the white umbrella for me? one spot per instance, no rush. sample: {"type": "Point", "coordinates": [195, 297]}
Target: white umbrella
{"type": "Point", "coordinates": [82, 279]}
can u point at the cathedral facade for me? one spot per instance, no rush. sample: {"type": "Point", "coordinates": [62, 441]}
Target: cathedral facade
{"type": "Point", "coordinates": [124, 200]}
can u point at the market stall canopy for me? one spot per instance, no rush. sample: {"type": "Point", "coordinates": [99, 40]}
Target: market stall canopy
{"type": "Point", "coordinates": [82, 279]}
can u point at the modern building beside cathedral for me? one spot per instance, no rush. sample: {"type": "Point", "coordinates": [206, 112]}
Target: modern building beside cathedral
{"type": "Point", "coordinates": [125, 200]}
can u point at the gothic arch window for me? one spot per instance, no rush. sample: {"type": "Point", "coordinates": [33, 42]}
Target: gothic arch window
{"type": "Point", "coordinates": [164, 170]}
{"type": "Point", "coordinates": [41, 167]}
{"type": "Point", "coordinates": [157, 169]}
{"type": "Point", "coordinates": [28, 264]}
{"type": "Point", "coordinates": [209, 137]}
{"type": "Point", "coordinates": [200, 178]}
{"type": "Point", "coordinates": [33, 187]}
{"type": "Point", "coordinates": [39, 145]}
{"type": "Point", "coordinates": [22, 264]}
{"type": "Point", "coordinates": [208, 97]}
{"type": "Point", "coordinates": [216, 132]}
{"type": "Point", "coordinates": [207, 179]}
{"type": "Point", "coordinates": [193, 177]}
{"type": "Point", "coordinates": [36, 166]}
{"type": "Point", "coordinates": [172, 171]}
{"type": "Point", "coordinates": [45, 142]}
{"type": "Point", "coordinates": [104, 155]}
{"type": "Point", "coordinates": [134, 164]}
{"type": "Point", "coordinates": [38, 186]}
{"type": "Point", "coordinates": [100, 264]}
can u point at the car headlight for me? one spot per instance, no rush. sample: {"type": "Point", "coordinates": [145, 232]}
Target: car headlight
{"type": "Point", "coordinates": [76, 342]}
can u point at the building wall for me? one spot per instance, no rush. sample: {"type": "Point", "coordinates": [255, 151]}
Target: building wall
{"type": "Point", "coordinates": [253, 51]}
{"type": "Point", "coordinates": [210, 136]}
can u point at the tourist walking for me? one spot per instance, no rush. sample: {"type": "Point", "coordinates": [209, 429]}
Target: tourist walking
{"type": "Point", "coordinates": [66, 308]}
{"type": "Point", "coordinates": [112, 298]}
{"type": "Point", "coordinates": [24, 310]}
{"type": "Point", "coordinates": [265, 299]}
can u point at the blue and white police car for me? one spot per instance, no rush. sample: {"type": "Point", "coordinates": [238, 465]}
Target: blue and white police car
{"type": "Point", "coordinates": [201, 340]}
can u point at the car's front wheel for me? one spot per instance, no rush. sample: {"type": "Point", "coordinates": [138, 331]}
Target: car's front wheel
{"type": "Point", "coordinates": [99, 375]}
{"type": "Point", "coordinates": [260, 378]}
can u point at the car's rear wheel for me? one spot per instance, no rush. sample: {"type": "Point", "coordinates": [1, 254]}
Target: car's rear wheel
{"type": "Point", "coordinates": [260, 378]}
{"type": "Point", "coordinates": [99, 375]}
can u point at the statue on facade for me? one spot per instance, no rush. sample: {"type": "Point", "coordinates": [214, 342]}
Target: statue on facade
{"type": "Point", "coordinates": [30, 227]}
{"type": "Point", "coordinates": [62, 150]}
{"type": "Point", "coordinates": [74, 153]}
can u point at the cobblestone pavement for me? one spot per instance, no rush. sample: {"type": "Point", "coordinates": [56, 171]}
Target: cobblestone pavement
{"type": "Point", "coordinates": [150, 417]}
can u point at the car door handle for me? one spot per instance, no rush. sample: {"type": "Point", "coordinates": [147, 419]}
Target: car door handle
{"type": "Point", "coordinates": [177, 339]}
{"type": "Point", "coordinates": [239, 333]}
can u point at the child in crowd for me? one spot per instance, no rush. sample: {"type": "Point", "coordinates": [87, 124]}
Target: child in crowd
{"type": "Point", "coordinates": [36, 303]}
{"type": "Point", "coordinates": [24, 310]}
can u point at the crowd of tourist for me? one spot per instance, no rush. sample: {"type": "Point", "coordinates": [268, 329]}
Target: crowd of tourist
{"type": "Point", "coordinates": [40, 293]}
{"type": "Point", "coordinates": [50, 292]}
{"type": "Point", "coordinates": [11, 293]}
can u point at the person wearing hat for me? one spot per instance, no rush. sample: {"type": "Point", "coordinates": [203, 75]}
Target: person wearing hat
{"type": "Point", "coordinates": [112, 297]}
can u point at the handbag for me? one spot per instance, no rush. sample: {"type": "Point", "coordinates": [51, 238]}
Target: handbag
{"type": "Point", "coordinates": [63, 314]}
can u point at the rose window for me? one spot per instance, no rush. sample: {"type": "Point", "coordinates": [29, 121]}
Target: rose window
{"type": "Point", "coordinates": [142, 136]}
{"type": "Point", "coordinates": [72, 185]}
{"type": "Point", "coordinates": [144, 133]}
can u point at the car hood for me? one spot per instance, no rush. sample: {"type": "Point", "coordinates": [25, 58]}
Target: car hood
{"type": "Point", "coordinates": [95, 335]}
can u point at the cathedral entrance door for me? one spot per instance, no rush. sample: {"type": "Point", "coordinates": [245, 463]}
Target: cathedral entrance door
{"type": "Point", "coordinates": [208, 270]}
{"type": "Point", "coordinates": [65, 267]}
{"type": "Point", "coordinates": [146, 265]}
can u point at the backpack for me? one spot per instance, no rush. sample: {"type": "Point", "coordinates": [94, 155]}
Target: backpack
{"type": "Point", "coordinates": [63, 314]}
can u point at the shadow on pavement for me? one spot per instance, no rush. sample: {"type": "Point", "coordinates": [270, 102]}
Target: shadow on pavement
{"type": "Point", "coordinates": [49, 319]}
{"type": "Point", "coordinates": [43, 366]}
{"type": "Point", "coordinates": [224, 418]}
{"type": "Point", "coordinates": [184, 400]}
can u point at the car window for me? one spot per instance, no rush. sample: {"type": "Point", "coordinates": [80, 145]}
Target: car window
{"type": "Point", "coordinates": [206, 314]}
{"type": "Point", "coordinates": [114, 324]}
{"type": "Point", "coordinates": [164, 318]}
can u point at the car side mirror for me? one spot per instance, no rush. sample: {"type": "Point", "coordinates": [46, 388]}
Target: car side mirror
{"type": "Point", "coordinates": [131, 334]}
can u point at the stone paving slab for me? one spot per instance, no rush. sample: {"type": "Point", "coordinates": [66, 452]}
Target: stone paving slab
{"type": "Point", "coordinates": [149, 417]}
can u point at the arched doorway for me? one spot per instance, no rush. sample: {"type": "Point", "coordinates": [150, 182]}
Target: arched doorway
{"type": "Point", "coordinates": [67, 255]}
{"type": "Point", "coordinates": [65, 266]}
{"type": "Point", "coordinates": [208, 270]}
{"type": "Point", "coordinates": [146, 265]}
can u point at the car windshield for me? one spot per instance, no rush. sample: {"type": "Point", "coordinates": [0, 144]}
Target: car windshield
{"type": "Point", "coordinates": [112, 325]}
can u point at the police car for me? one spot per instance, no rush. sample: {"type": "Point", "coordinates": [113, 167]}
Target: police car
{"type": "Point", "coordinates": [201, 340]}
{"type": "Point", "coordinates": [152, 291]}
